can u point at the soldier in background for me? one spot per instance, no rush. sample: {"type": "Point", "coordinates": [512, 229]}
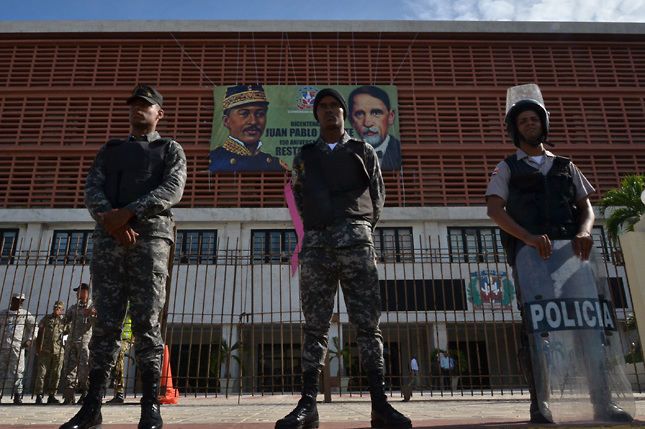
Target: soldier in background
{"type": "Point", "coordinates": [117, 372]}
{"type": "Point", "coordinates": [80, 318]}
{"type": "Point", "coordinates": [131, 187]}
{"type": "Point", "coordinates": [49, 349]}
{"type": "Point", "coordinates": [18, 328]}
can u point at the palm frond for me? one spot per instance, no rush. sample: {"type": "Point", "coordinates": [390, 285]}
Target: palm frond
{"type": "Point", "coordinates": [625, 203]}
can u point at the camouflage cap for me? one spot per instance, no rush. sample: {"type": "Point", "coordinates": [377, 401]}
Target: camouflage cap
{"type": "Point", "coordinates": [59, 304]}
{"type": "Point", "coordinates": [18, 295]}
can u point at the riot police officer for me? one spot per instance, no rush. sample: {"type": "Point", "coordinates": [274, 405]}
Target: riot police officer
{"type": "Point", "coordinates": [535, 197]}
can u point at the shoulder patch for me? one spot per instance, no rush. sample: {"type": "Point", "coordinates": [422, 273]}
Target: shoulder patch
{"type": "Point", "coordinates": [294, 177]}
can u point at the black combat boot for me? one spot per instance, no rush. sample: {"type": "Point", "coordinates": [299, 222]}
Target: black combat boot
{"type": "Point", "coordinates": [383, 414]}
{"type": "Point", "coordinates": [39, 399]}
{"type": "Point", "coordinates": [604, 410]}
{"type": "Point", "coordinates": [69, 397]}
{"type": "Point", "coordinates": [89, 416]}
{"type": "Point", "coordinates": [305, 415]}
{"type": "Point", "coordinates": [17, 400]}
{"type": "Point", "coordinates": [52, 400]}
{"type": "Point", "coordinates": [150, 405]}
{"type": "Point", "coordinates": [539, 411]}
{"type": "Point", "coordinates": [118, 399]}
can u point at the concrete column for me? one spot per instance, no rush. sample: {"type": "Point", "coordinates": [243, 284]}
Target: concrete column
{"type": "Point", "coordinates": [233, 237]}
{"type": "Point", "coordinates": [32, 237]}
{"type": "Point", "coordinates": [633, 244]}
{"type": "Point", "coordinates": [440, 335]}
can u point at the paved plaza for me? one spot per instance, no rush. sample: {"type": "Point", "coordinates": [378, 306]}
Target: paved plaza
{"type": "Point", "coordinates": [261, 412]}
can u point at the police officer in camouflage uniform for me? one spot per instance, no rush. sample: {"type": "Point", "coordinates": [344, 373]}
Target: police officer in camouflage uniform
{"type": "Point", "coordinates": [80, 318]}
{"type": "Point", "coordinates": [339, 194]}
{"type": "Point", "coordinates": [18, 327]}
{"type": "Point", "coordinates": [130, 189]}
{"type": "Point", "coordinates": [49, 349]}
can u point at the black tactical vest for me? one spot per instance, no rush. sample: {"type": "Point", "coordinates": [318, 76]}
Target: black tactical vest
{"type": "Point", "coordinates": [540, 204]}
{"type": "Point", "coordinates": [336, 185]}
{"type": "Point", "coordinates": [133, 169]}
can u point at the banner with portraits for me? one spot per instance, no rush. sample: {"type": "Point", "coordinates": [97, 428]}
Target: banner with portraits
{"type": "Point", "coordinates": [261, 127]}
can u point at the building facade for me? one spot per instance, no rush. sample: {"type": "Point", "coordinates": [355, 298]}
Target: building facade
{"type": "Point", "coordinates": [234, 317]}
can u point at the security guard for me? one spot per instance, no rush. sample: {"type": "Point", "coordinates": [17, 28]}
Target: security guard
{"type": "Point", "coordinates": [245, 115]}
{"type": "Point", "coordinates": [130, 189]}
{"type": "Point", "coordinates": [50, 352]}
{"type": "Point", "coordinates": [339, 193]}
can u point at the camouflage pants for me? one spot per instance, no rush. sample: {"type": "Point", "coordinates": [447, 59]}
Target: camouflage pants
{"type": "Point", "coordinates": [76, 368]}
{"type": "Point", "coordinates": [135, 274]}
{"type": "Point", "coordinates": [49, 366]}
{"type": "Point", "coordinates": [321, 271]}
{"type": "Point", "coordinates": [12, 369]}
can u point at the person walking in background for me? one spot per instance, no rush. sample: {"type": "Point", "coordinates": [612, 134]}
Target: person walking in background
{"type": "Point", "coordinates": [50, 352]}
{"type": "Point", "coordinates": [415, 378]}
{"type": "Point", "coordinates": [447, 365]}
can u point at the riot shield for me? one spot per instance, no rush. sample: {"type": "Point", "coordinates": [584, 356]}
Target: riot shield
{"type": "Point", "coordinates": [577, 355]}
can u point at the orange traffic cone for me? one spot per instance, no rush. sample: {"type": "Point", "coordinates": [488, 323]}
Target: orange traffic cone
{"type": "Point", "coordinates": [167, 393]}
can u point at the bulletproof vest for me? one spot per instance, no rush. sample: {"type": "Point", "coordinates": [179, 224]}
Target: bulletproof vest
{"type": "Point", "coordinates": [336, 186]}
{"type": "Point", "coordinates": [133, 169]}
{"type": "Point", "coordinates": [540, 204]}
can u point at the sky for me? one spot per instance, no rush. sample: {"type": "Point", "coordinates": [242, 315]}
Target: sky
{"type": "Point", "coordinates": [448, 10]}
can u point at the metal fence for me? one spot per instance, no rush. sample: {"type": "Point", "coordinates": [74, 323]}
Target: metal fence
{"type": "Point", "coordinates": [234, 324]}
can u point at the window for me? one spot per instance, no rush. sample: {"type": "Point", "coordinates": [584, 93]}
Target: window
{"type": "Point", "coordinates": [71, 247]}
{"type": "Point", "coordinates": [272, 245]}
{"type": "Point", "coordinates": [394, 244]}
{"type": "Point", "coordinates": [483, 244]}
{"type": "Point", "coordinates": [475, 244]}
{"type": "Point", "coordinates": [196, 247]}
{"type": "Point", "coordinates": [8, 242]}
{"type": "Point", "coordinates": [423, 295]}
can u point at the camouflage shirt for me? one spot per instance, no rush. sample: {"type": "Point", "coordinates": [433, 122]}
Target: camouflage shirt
{"type": "Point", "coordinates": [52, 329]}
{"type": "Point", "coordinates": [147, 221]}
{"type": "Point", "coordinates": [344, 232]}
{"type": "Point", "coordinates": [18, 327]}
{"type": "Point", "coordinates": [79, 325]}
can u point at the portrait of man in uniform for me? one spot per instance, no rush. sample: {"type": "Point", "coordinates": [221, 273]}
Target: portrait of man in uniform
{"type": "Point", "coordinates": [371, 115]}
{"type": "Point", "coordinates": [245, 110]}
